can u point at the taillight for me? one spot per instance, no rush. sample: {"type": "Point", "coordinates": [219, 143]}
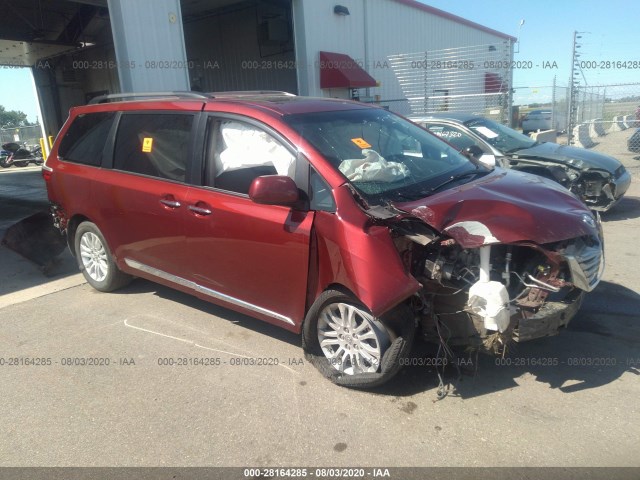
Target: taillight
{"type": "Point", "coordinates": [47, 172]}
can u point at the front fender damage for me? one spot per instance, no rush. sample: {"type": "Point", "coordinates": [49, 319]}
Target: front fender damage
{"type": "Point", "coordinates": [359, 255]}
{"type": "Point", "coordinates": [479, 291]}
{"type": "Point", "coordinates": [471, 275]}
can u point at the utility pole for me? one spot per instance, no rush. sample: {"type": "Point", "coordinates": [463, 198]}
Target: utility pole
{"type": "Point", "coordinates": [574, 85]}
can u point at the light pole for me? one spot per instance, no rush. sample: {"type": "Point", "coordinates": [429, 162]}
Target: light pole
{"type": "Point", "coordinates": [518, 41]}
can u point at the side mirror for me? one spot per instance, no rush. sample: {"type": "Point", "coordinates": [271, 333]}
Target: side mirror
{"type": "Point", "coordinates": [473, 151]}
{"type": "Point", "coordinates": [274, 190]}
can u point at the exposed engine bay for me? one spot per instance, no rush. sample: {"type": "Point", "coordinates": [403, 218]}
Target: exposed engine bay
{"type": "Point", "coordinates": [488, 296]}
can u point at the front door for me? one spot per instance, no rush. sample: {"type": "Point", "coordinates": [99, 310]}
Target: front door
{"type": "Point", "coordinates": [248, 255]}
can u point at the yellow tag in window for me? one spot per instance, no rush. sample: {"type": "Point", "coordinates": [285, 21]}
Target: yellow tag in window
{"type": "Point", "coordinates": [147, 144]}
{"type": "Point", "coordinates": [361, 142]}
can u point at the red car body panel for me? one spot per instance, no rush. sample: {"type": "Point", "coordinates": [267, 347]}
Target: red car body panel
{"type": "Point", "coordinates": [350, 250]}
{"type": "Point", "coordinates": [509, 212]}
{"type": "Point", "coordinates": [254, 253]}
{"type": "Point", "coordinates": [71, 184]}
{"type": "Point", "coordinates": [135, 222]}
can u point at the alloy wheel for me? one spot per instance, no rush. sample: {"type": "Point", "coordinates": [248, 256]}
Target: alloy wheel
{"type": "Point", "coordinates": [94, 256]}
{"type": "Point", "coordinates": [351, 339]}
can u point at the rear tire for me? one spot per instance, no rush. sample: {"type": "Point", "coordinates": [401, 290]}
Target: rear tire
{"type": "Point", "coordinates": [95, 260]}
{"type": "Point", "coordinates": [350, 346]}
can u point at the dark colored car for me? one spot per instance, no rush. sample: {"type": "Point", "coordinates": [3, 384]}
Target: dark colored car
{"type": "Point", "coordinates": [333, 219]}
{"type": "Point", "coordinates": [598, 179]}
{"type": "Point", "coordinates": [633, 144]}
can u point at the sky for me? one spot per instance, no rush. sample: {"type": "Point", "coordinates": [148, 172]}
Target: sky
{"type": "Point", "coordinates": [16, 91]}
{"type": "Point", "coordinates": [611, 35]}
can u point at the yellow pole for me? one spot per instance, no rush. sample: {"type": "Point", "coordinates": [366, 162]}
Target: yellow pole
{"type": "Point", "coordinates": [44, 152]}
{"type": "Point", "coordinates": [50, 141]}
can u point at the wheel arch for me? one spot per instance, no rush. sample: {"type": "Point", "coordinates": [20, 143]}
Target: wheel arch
{"type": "Point", "coordinates": [72, 226]}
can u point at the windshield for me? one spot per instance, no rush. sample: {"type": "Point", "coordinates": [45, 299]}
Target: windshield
{"type": "Point", "coordinates": [385, 157]}
{"type": "Point", "coordinates": [503, 138]}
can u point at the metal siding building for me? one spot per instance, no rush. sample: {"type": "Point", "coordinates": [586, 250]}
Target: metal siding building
{"type": "Point", "coordinates": [377, 31]}
{"type": "Point", "coordinates": [373, 47]}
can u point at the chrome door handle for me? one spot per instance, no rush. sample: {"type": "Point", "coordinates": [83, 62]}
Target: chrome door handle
{"type": "Point", "coordinates": [170, 203]}
{"type": "Point", "coordinates": [199, 210]}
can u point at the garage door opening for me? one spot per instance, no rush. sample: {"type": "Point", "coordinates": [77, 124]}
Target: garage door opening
{"type": "Point", "coordinates": [241, 46]}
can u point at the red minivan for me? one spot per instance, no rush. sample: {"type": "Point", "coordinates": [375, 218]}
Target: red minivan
{"type": "Point", "coordinates": [334, 219]}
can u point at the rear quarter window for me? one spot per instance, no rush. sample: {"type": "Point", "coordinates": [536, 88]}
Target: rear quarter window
{"type": "Point", "coordinates": [85, 139]}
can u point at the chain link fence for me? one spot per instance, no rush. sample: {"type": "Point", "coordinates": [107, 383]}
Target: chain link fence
{"type": "Point", "coordinates": [30, 135]}
{"type": "Point", "coordinates": [475, 79]}
{"type": "Point", "coordinates": [603, 109]}
{"type": "Point", "coordinates": [604, 106]}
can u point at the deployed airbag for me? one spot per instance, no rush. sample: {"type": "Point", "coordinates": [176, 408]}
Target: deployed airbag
{"type": "Point", "coordinates": [373, 168]}
{"type": "Point", "coordinates": [247, 147]}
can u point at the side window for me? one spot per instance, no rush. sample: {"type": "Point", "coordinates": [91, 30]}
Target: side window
{"type": "Point", "coordinates": [320, 194]}
{"type": "Point", "coordinates": [240, 152]}
{"type": "Point", "coordinates": [85, 138]}
{"type": "Point", "coordinates": [153, 144]}
{"type": "Point", "coordinates": [454, 136]}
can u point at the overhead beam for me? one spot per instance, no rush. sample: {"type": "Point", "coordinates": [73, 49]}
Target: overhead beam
{"type": "Point", "coordinates": [74, 28]}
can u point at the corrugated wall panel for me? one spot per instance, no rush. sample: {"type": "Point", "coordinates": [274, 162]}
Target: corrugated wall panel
{"type": "Point", "coordinates": [391, 28]}
{"type": "Point", "coordinates": [326, 31]}
{"type": "Point", "coordinates": [394, 28]}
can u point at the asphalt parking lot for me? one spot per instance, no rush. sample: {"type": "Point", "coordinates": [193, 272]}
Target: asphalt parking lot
{"type": "Point", "coordinates": [110, 387]}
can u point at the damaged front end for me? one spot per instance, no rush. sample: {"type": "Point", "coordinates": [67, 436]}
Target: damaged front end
{"type": "Point", "coordinates": [488, 296]}
{"type": "Point", "coordinates": [599, 189]}
{"type": "Point", "coordinates": [497, 271]}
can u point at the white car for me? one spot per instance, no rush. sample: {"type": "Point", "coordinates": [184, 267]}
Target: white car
{"type": "Point", "coordinates": [536, 120]}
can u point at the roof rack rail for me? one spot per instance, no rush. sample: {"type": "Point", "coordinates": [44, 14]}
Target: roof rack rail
{"type": "Point", "coordinates": [250, 93]}
{"type": "Point", "coordinates": [111, 96]}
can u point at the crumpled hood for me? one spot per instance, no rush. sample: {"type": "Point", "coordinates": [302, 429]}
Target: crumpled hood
{"type": "Point", "coordinates": [505, 206]}
{"type": "Point", "coordinates": [564, 154]}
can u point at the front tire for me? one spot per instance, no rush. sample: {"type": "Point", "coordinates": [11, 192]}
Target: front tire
{"type": "Point", "coordinates": [95, 260]}
{"type": "Point", "coordinates": [350, 346]}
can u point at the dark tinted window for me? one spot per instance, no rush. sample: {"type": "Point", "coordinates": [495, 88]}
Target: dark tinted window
{"type": "Point", "coordinates": [85, 139]}
{"type": "Point", "coordinates": [153, 144]}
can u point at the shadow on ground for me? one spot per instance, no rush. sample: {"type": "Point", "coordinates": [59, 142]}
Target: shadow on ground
{"type": "Point", "coordinates": [599, 345]}
{"type": "Point", "coordinates": [627, 209]}
{"type": "Point", "coordinates": [144, 286]}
